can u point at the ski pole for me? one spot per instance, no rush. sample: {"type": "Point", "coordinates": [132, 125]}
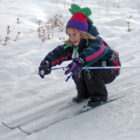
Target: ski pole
{"type": "Point", "coordinates": [107, 67]}
{"type": "Point", "coordinates": [57, 68]}
{"type": "Point", "coordinates": [88, 68]}
{"type": "Point", "coordinates": [42, 72]}
{"type": "Point", "coordinates": [97, 67]}
{"type": "Point", "coordinates": [100, 67]}
{"type": "Point", "coordinates": [69, 77]}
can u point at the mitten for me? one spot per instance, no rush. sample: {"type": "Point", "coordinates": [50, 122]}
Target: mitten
{"type": "Point", "coordinates": [44, 68]}
{"type": "Point", "coordinates": [75, 67]}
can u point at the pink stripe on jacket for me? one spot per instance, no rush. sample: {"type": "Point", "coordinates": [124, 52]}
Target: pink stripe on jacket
{"type": "Point", "coordinates": [93, 56]}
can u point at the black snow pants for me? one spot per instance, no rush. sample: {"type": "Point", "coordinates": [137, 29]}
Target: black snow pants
{"type": "Point", "coordinates": [92, 83]}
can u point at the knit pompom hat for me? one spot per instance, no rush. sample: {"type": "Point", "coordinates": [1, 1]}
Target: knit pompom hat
{"type": "Point", "coordinates": [78, 21]}
{"type": "Point", "coordinates": [80, 18]}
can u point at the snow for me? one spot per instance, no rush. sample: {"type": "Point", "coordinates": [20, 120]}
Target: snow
{"type": "Point", "coordinates": [40, 106]}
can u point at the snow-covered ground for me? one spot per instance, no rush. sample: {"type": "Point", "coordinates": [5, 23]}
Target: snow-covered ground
{"type": "Point", "coordinates": [39, 106]}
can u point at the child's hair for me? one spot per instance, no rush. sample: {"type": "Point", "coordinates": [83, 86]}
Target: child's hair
{"type": "Point", "coordinates": [84, 35]}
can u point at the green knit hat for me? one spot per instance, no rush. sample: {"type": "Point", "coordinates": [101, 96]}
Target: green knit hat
{"type": "Point", "coordinates": [86, 11]}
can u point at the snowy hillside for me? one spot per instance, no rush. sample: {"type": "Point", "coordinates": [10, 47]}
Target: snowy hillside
{"type": "Point", "coordinates": [39, 109]}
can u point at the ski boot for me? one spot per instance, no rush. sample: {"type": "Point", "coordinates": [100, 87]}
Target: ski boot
{"type": "Point", "coordinates": [92, 103]}
{"type": "Point", "coordinates": [79, 99]}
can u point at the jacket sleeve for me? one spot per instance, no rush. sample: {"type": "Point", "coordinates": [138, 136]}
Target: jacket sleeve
{"type": "Point", "coordinates": [95, 51]}
{"type": "Point", "coordinates": [58, 55]}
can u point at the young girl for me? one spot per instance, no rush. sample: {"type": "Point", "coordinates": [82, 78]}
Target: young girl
{"type": "Point", "coordinates": [86, 48]}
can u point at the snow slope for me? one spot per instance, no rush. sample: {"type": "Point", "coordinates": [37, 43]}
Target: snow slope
{"type": "Point", "coordinates": [42, 107]}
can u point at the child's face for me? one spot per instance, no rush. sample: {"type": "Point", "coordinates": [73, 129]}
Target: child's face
{"type": "Point", "coordinates": [74, 36]}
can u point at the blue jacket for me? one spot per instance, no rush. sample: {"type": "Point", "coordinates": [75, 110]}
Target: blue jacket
{"type": "Point", "coordinates": [95, 51]}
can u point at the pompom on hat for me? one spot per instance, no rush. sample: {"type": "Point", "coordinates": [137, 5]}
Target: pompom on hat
{"type": "Point", "coordinates": [80, 18]}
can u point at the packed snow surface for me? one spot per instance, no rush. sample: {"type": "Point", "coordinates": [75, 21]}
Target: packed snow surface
{"type": "Point", "coordinates": [41, 109]}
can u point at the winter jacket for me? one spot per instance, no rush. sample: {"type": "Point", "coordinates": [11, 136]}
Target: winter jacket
{"type": "Point", "coordinates": [95, 51]}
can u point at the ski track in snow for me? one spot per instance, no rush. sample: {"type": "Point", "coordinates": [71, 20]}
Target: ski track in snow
{"type": "Point", "coordinates": [37, 105]}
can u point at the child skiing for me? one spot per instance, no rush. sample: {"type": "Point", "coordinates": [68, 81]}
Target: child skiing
{"type": "Point", "coordinates": [86, 48]}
